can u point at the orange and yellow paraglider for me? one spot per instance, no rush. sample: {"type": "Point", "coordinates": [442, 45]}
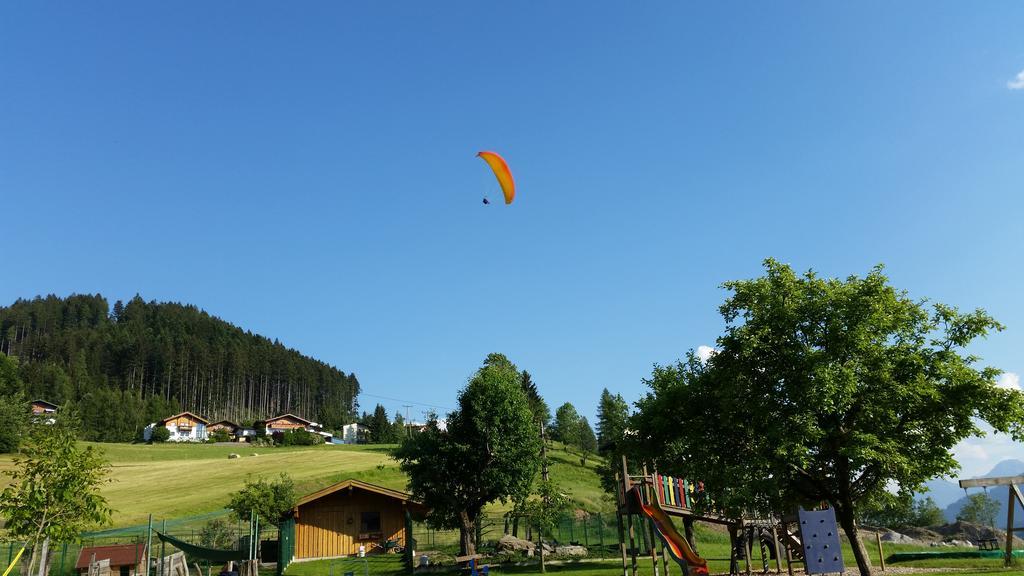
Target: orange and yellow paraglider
{"type": "Point", "coordinates": [502, 173]}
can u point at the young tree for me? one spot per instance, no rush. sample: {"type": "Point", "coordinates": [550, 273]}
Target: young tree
{"type": "Point", "coordinates": [980, 508]}
{"type": "Point", "coordinates": [544, 510]}
{"type": "Point", "coordinates": [55, 487]}
{"type": "Point", "coordinates": [539, 408]}
{"type": "Point", "coordinates": [587, 440]}
{"type": "Point", "coordinates": [15, 416]}
{"type": "Point", "coordinates": [824, 390]}
{"type": "Point", "coordinates": [269, 499]}
{"type": "Point", "coordinates": [612, 415]}
{"type": "Point", "coordinates": [489, 452]}
{"type": "Point", "coordinates": [567, 425]}
{"type": "Point", "coordinates": [927, 513]}
{"type": "Point", "coordinates": [380, 427]}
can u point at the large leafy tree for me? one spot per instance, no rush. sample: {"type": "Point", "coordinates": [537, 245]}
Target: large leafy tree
{"type": "Point", "coordinates": [567, 425]}
{"type": "Point", "coordinates": [824, 390]}
{"type": "Point", "coordinates": [55, 487]}
{"type": "Point", "coordinates": [489, 452]}
{"type": "Point", "coordinates": [979, 509]}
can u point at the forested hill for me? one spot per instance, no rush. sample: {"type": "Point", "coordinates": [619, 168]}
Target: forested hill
{"type": "Point", "coordinates": [130, 364]}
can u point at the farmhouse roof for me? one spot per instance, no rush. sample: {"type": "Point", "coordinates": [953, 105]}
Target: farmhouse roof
{"type": "Point", "coordinates": [414, 506]}
{"type": "Point", "coordinates": [50, 404]}
{"type": "Point", "coordinates": [119, 555]}
{"type": "Point", "coordinates": [193, 415]}
{"type": "Point", "coordinates": [283, 416]}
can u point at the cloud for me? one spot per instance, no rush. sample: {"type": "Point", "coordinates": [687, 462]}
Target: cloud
{"type": "Point", "coordinates": [1017, 83]}
{"type": "Point", "coordinates": [978, 455]}
{"type": "Point", "coordinates": [1009, 380]}
{"type": "Point", "coordinates": [705, 352]}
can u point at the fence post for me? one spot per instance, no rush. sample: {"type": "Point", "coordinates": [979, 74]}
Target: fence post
{"type": "Point", "coordinates": [63, 553]}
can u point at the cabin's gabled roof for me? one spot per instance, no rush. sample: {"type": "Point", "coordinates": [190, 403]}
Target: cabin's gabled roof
{"type": "Point", "coordinates": [404, 498]}
{"type": "Point", "coordinates": [225, 423]}
{"type": "Point", "coordinates": [195, 417]}
{"type": "Point", "coordinates": [119, 555]}
{"type": "Point", "coordinates": [45, 403]}
{"type": "Point", "coordinates": [283, 416]}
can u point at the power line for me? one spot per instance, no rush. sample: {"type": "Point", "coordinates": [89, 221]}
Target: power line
{"type": "Point", "coordinates": [410, 402]}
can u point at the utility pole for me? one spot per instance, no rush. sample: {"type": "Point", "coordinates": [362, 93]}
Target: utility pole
{"type": "Point", "coordinates": [407, 427]}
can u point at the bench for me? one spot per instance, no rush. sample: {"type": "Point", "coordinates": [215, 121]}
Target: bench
{"type": "Point", "coordinates": [988, 544]}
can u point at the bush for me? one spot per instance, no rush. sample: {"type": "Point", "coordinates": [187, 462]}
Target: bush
{"type": "Point", "coordinates": [216, 535]}
{"type": "Point", "coordinates": [298, 438]}
{"type": "Point", "coordinates": [160, 434]}
{"type": "Point", "coordinates": [268, 499]}
{"type": "Point", "coordinates": [220, 435]}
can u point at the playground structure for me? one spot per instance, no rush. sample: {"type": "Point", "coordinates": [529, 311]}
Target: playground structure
{"type": "Point", "coordinates": [1014, 497]}
{"type": "Point", "coordinates": [658, 498]}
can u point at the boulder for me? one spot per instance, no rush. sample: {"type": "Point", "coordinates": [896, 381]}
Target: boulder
{"type": "Point", "coordinates": [897, 538]}
{"type": "Point", "coordinates": [571, 551]}
{"type": "Point", "coordinates": [510, 543]}
{"type": "Point", "coordinates": [232, 455]}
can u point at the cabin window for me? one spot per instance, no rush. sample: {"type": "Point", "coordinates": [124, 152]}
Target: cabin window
{"type": "Point", "coordinates": [370, 522]}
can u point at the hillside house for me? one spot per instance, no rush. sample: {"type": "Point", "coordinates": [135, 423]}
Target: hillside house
{"type": "Point", "coordinates": [338, 519]}
{"type": "Point", "coordinates": [184, 427]}
{"type": "Point", "coordinates": [42, 407]}
{"type": "Point", "coordinates": [354, 433]}
{"type": "Point", "coordinates": [287, 422]}
{"type": "Point", "coordinates": [228, 426]}
{"type": "Point", "coordinates": [125, 559]}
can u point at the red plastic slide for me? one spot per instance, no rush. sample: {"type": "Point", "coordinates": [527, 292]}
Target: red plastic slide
{"type": "Point", "coordinates": [676, 544]}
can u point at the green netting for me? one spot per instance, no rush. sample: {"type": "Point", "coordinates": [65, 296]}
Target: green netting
{"type": "Point", "coordinates": [197, 520]}
{"type": "Point", "coordinates": [211, 554]}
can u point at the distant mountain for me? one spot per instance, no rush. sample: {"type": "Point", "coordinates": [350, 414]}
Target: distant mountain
{"type": "Point", "coordinates": [942, 490]}
{"type": "Point", "coordinates": [1005, 468]}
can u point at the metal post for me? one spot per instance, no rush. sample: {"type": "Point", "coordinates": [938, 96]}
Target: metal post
{"type": "Point", "coordinates": [63, 553]}
{"type": "Point", "coordinates": [149, 542]}
{"type": "Point", "coordinates": [1011, 504]}
{"type": "Point", "coordinates": [163, 550]}
{"type": "Point", "coordinates": [618, 524]}
{"type": "Point", "coordinates": [775, 543]}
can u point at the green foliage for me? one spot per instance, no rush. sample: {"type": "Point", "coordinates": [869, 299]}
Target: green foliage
{"type": "Point", "coordinates": [823, 390]}
{"type": "Point", "coordinates": [980, 508]}
{"type": "Point", "coordinates": [220, 435]}
{"type": "Point", "coordinates": [55, 486]}
{"type": "Point", "coordinates": [216, 534]}
{"type": "Point", "coordinates": [612, 419]}
{"type": "Point", "coordinates": [135, 365]}
{"type": "Point", "coordinates": [269, 499]}
{"type": "Point", "coordinates": [382, 431]}
{"type": "Point", "coordinates": [489, 452]}
{"type": "Point", "coordinates": [160, 434]}
{"type": "Point", "coordinates": [543, 511]}
{"type": "Point", "coordinates": [15, 417]}
{"type": "Point", "coordinates": [897, 510]}
{"type": "Point", "coordinates": [567, 425]}
{"type": "Point", "coordinates": [298, 438]}
{"type": "Point", "coordinates": [587, 441]}
{"type": "Point", "coordinates": [538, 407]}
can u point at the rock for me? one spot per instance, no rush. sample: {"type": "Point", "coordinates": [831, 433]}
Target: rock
{"type": "Point", "coordinates": [571, 551]}
{"type": "Point", "coordinates": [897, 538]}
{"type": "Point", "coordinates": [510, 543]}
{"type": "Point", "coordinates": [232, 455]}
{"type": "Point", "coordinates": [961, 543]}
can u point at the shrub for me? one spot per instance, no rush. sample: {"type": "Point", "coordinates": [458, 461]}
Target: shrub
{"type": "Point", "coordinates": [216, 535]}
{"type": "Point", "coordinates": [160, 434]}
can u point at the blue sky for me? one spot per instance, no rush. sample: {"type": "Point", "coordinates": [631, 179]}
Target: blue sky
{"type": "Point", "coordinates": [308, 172]}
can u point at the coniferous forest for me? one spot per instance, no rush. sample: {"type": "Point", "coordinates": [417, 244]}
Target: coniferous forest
{"type": "Point", "coordinates": [126, 365]}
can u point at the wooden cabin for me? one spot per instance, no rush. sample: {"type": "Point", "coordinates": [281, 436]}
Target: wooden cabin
{"type": "Point", "coordinates": [40, 407]}
{"type": "Point", "coordinates": [227, 425]}
{"type": "Point", "coordinates": [184, 427]}
{"type": "Point", "coordinates": [338, 519]}
{"type": "Point", "coordinates": [286, 422]}
{"type": "Point", "coordinates": [125, 559]}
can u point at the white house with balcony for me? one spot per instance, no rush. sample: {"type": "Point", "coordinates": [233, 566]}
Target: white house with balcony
{"type": "Point", "coordinates": [184, 427]}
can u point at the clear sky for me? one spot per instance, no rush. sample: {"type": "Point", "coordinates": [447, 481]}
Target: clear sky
{"type": "Point", "coordinates": [307, 171]}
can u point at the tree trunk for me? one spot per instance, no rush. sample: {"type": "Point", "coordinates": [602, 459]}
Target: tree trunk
{"type": "Point", "coordinates": [844, 514]}
{"type": "Point", "coordinates": [43, 557]}
{"type": "Point", "coordinates": [467, 534]}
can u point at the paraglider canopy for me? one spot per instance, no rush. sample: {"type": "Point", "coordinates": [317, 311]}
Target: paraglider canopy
{"type": "Point", "coordinates": [502, 173]}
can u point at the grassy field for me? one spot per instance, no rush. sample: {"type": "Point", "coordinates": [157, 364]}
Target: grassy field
{"type": "Point", "coordinates": [176, 480]}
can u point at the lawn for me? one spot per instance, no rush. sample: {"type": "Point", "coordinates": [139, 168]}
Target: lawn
{"type": "Point", "coordinates": [178, 480]}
